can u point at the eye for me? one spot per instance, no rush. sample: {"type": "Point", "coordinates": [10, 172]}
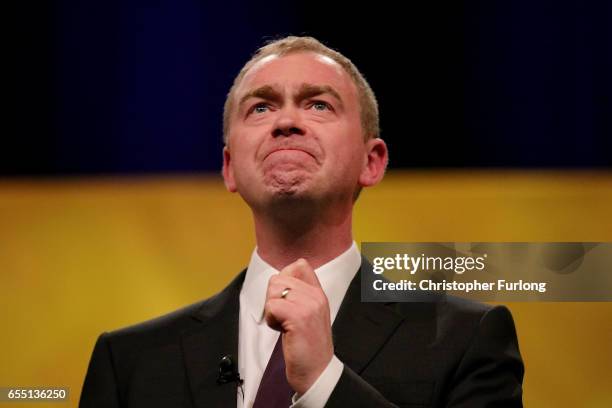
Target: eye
{"type": "Point", "coordinates": [260, 108]}
{"type": "Point", "coordinates": [320, 106]}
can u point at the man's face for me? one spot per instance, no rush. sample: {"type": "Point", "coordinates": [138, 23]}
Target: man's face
{"type": "Point", "coordinates": [295, 132]}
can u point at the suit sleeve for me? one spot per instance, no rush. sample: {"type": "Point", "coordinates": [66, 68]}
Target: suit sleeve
{"type": "Point", "coordinates": [100, 387]}
{"type": "Point", "coordinates": [353, 391]}
{"type": "Point", "coordinates": [490, 373]}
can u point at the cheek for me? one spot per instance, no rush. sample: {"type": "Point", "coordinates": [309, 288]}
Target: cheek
{"type": "Point", "coordinates": [346, 160]}
{"type": "Point", "coordinates": [243, 149]}
{"type": "Point", "coordinates": [349, 149]}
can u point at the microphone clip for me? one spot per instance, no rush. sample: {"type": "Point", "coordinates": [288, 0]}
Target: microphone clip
{"type": "Point", "coordinates": [228, 371]}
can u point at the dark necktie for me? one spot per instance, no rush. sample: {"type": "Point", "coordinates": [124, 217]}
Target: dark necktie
{"type": "Point", "coordinates": [274, 391]}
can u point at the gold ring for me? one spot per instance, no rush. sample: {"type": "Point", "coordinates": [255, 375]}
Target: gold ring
{"type": "Point", "coordinates": [285, 292]}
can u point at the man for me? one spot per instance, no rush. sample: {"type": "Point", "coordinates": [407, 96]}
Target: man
{"type": "Point", "coordinates": [301, 134]}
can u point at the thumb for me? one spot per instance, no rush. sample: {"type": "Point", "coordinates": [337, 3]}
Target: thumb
{"type": "Point", "coordinates": [301, 270]}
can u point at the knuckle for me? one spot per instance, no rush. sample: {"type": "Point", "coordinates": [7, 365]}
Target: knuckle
{"type": "Point", "coordinates": [322, 304]}
{"type": "Point", "coordinates": [321, 298]}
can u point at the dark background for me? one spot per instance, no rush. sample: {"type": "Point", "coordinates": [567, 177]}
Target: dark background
{"type": "Point", "coordinates": [135, 86]}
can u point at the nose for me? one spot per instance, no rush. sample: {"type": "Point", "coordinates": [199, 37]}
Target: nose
{"type": "Point", "coordinates": [288, 123]}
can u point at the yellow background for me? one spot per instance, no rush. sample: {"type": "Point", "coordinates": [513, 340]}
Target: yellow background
{"type": "Point", "coordinates": [87, 255]}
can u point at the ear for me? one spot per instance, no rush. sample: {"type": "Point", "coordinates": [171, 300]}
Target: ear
{"type": "Point", "coordinates": [227, 171]}
{"type": "Point", "coordinates": [375, 162]}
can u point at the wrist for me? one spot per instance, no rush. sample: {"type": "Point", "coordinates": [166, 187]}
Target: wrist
{"type": "Point", "coordinates": [306, 382]}
{"type": "Point", "coordinates": [319, 392]}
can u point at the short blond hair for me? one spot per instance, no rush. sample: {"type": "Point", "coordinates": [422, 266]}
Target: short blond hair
{"type": "Point", "coordinates": [292, 44]}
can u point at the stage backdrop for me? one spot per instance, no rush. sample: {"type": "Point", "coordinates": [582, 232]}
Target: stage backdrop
{"type": "Point", "coordinates": [83, 256]}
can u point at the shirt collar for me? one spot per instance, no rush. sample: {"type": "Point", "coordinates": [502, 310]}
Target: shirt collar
{"type": "Point", "coordinates": [335, 277]}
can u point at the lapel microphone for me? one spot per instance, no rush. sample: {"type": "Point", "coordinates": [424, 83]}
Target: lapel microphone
{"type": "Point", "coordinates": [228, 371]}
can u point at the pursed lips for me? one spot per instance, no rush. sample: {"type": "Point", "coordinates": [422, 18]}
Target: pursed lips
{"type": "Point", "coordinates": [280, 149]}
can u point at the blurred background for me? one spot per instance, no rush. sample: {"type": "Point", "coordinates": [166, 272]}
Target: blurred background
{"type": "Point", "coordinates": [498, 116]}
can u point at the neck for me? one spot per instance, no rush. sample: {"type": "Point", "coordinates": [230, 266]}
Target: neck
{"type": "Point", "coordinates": [317, 236]}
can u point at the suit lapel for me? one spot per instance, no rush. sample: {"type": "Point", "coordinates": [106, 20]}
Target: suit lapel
{"type": "Point", "coordinates": [361, 329]}
{"type": "Point", "coordinates": [204, 346]}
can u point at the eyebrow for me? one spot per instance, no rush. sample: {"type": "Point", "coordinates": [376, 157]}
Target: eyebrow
{"type": "Point", "coordinates": [271, 93]}
{"type": "Point", "coordinates": [309, 90]}
{"type": "Point", "coordinates": [266, 92]}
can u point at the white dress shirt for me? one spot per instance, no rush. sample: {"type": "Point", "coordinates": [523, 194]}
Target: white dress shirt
{"type": "Point", "coordinates": [256, 340]}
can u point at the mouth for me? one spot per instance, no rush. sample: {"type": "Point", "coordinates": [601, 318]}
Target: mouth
{"type": "Point", "coordinates": [289, 149]}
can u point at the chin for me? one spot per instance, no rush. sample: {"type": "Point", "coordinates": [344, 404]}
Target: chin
{"type": "Point", "coordinates": [293, 193]}
{"type": "Point", "coordinates": [291, 197]}
{"type": "Point", "coordinates": [288, 184]}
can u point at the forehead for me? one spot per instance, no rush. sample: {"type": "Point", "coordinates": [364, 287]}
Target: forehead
{"type": "Point", "coordinates": [293, 70]}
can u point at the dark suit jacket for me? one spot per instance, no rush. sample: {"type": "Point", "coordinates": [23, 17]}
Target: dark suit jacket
{"type": "Point", "coordinates": [452, 353]}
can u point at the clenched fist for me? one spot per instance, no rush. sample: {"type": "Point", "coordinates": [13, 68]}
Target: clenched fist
{"type": "Point", "coordinates": [303, 318]}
